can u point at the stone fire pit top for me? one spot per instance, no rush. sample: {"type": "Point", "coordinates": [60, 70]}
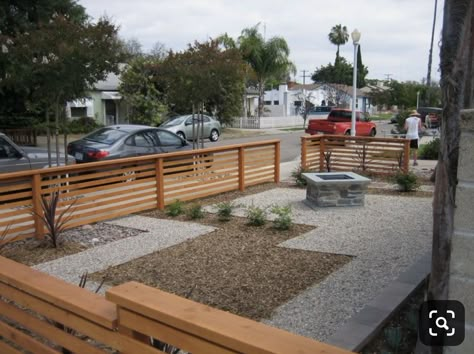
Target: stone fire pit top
{"type": "Point", "coordinates": [335, 177]}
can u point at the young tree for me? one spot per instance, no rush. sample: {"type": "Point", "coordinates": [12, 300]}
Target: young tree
{"type": "Point", "coordinates": [268, 59]}
{"type": "Point", "coordinates": [362, 70]}
{"type": "Point", "coordinates": [205, 74]}
{"type": "Point", "coordinates": [144, 99]}
{"type": "Point", "coordinates": [338, 36]}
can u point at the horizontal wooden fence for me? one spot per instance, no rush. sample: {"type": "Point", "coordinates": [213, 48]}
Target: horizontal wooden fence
{"type": "Point", "coordinates": [108, 189]}
{"type": "Point", "coordinates": [42, 314]}
{"type": "Point", "coordinates": [359, 154]}
{"type": "Point", "coordinates": [21, 136]}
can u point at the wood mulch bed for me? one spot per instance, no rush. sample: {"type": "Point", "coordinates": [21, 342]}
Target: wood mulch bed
{"type": "Point", "coordinates": [237, 268]}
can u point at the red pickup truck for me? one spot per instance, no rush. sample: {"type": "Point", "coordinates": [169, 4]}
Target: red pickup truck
{"type": "Point", "coordinates": [338, 122]}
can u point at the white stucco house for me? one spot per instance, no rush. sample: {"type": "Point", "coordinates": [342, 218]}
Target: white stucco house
{"type": "Point", "coordinates": [287, 100]}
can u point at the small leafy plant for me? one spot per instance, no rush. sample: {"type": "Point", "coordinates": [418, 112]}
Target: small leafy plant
{"type": "Point", "coordinates": [176, 208]}
{"type": "Point", "coordinates": [55, 225]}
{"type": "Point", "coordinates": [407, 182]}
{"type": "Point", "coordinates": [195, 212]}
{"type": "Point", "coordinates": [430, 150]}
{"type": "Point", "coordinates": [256, 216]}
{"type": "Point", "coordinates": [224, 211]}
{"type": "Point", "coordinates": [297, 174]}
{"type": "Point", "coordinates": [283, 219]}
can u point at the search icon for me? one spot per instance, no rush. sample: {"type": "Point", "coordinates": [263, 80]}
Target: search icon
{"type": "Point", "coordinates": [441, 322]}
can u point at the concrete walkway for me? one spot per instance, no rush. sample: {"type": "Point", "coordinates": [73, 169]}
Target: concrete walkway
{"type": "Point", "coordinates": [157, 234]}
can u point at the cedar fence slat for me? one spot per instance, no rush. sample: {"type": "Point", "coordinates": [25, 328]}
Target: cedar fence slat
{"type": "Point", "coordinates": [382, 154]}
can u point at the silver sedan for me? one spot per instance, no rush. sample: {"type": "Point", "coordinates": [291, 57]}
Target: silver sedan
{"type": "Point", "coordinates": [183, 127]}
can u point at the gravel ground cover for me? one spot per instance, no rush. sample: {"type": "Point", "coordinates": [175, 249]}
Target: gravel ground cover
{"type": "Point", "coordinates": [32, 251]}
{"type": "Point", "coordinates": [384, 238]}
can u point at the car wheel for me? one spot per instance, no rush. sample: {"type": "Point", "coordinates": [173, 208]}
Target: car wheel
{"type": "Point", "coordinates": [181, 135]}
{"type": "Point", "coordinates": [214, 135]}
{"type": "Point", "coordinates": [373, 132]}
{"type": "Point", "coordinates": [348, 132]}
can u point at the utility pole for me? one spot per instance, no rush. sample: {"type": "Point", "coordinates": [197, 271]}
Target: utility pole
{"type": "Point", "coordinates": [304, 91]}
{"type": "Point", "coordinates": [304, 76]}
{"type": "Point", "coordinates": [388, 76]}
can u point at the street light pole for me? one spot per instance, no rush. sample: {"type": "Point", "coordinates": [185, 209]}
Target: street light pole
{"type": "Point", "coordinates": [355, 39]}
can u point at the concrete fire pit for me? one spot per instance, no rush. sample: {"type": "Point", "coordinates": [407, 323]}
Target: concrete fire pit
{"type": "Point", "coordinates": [335, 189]}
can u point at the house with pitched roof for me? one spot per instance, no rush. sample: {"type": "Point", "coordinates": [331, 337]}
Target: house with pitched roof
{"type": "Point", "coordinates": [104, 103]}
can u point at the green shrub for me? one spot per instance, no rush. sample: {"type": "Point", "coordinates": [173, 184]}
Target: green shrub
{"type": "Point", "coordinates": [224, 211]}
{"type": "Point", "coordinates": [430, 150]}
{"type": "Point", "coordinates": [407, 182]}
{"type": "Point", "coordinates": [176, 208]}
{"type": "Point", "coordinates": [82, 125]}
{"type": "Point", "coordinates": [297, 174]}
{"type": "Point", "coordinates": [256, 216]}
{"type": "Point", "coordinates": [283, 220]}
{"type": "Point", "coordinates": [401, 117]}
{"type": "Point", "coordinates": [195, 211]}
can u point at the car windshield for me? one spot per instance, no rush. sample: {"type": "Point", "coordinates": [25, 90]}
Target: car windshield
{"type": "Point", "coordinates": [106, 135]}
{"type": "Point", "coordinates": [175, 121]}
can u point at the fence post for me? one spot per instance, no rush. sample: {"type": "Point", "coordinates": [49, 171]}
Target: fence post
{"type": "Point", "coordinates": [160, 190]}
{"type": "Point", "coordinates": [406, 153]}
{"type": "Point", "coordinates": [277, 162]}
{"type": "Point", "coordinates": [37, 210]}
{"type": "Point", "coordinates": [322, 147]}
{"type": "Point", "coordinates": [303, 152]}
{"type": "Point", "coordinates": [241, 169]}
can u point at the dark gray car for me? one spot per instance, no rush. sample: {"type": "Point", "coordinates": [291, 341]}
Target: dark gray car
{"type": "Point", "coordinates": [14, 159]}
{"type": "Point", "coordinates": [119, 141]}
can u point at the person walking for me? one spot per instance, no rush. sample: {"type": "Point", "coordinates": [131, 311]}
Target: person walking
{"type": "Point", "coordinates": [413, 127]}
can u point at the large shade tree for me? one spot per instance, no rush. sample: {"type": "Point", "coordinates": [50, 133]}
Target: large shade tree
{"type": "Point", "coordinates": [269, 59]}
{"type": "Point", "coordinates": [19, 20]}
{"type": "Point", "coordinates": [457, 84]}
{"type": "Point", "coordinates": [51, 55]}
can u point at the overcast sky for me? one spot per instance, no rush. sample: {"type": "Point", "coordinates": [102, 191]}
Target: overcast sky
{"type": "Point", "coordinates": [395, 33]}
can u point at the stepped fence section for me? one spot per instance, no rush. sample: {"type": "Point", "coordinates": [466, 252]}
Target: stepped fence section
{"type": "Point", "coordinates": [108, 189]}
{"type": "Point", "coordinates": [324, 153]}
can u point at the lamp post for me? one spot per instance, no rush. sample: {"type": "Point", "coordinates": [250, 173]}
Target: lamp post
{"type": "Point", "coordinates": [355, 39]}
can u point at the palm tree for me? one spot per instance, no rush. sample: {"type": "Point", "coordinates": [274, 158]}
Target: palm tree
{"type": "Point", "coordinates": [338, 36]}
{"type": "Point", "coordinates": [267, 58]}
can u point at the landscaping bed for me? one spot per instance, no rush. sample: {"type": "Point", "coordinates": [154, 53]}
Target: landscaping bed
{"type": "Point", "coordinates": [237, 268]}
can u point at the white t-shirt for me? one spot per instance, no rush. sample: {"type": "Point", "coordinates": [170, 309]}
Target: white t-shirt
{"type": "Point", "coordinates": [412, 124]}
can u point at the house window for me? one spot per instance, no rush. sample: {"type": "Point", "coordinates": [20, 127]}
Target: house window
{"type": "Point", "coordinates": [276, 103]}
{"type": "Point", "coordinates": [78, 112]}
{"type": "Point", "coordinates": [268, 103]}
